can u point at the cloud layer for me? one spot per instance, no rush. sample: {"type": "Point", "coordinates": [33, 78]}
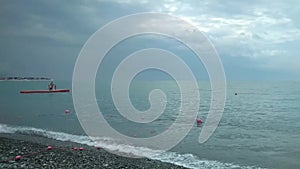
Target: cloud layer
{"type": "Point", "coordinates": [256, 38]}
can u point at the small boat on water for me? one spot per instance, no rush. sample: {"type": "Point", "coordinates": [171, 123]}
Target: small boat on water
{"type": "Point", "coordinates": [45, 91]}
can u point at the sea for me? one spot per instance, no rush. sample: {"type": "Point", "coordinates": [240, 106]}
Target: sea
{"type": "Point", "coordinates": [260, 126]}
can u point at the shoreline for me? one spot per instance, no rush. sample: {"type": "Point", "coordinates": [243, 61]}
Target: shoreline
{"type": "Point", "coordinates": [34, 154]}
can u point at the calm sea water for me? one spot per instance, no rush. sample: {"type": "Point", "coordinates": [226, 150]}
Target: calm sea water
{"type": "Point", "coordinates": [260, 126]}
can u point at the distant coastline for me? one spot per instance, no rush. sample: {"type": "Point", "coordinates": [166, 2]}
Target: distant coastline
{"type": "Point", "coordinates": [25, 79]}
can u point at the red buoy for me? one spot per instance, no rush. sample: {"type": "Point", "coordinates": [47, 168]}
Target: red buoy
{"type": "Point", "coordinates": [75, 148]}
{"type": "Point", "coordinates": [81, 148]}
{"type": "Point", "coordinates": [199, 121]}
{"type": "Point", "coordinates": [49, 148]}
{"type": "Point", "coordinates": [67, 111]}
{"type": "Point", "coordinates": [18, 157]}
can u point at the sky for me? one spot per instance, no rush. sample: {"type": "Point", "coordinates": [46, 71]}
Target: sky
{"type": "Point", "coordinates": [256, 40]}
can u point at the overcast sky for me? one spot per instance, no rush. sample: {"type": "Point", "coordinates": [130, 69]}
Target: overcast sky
{"type": "Point", "coordinates": [255, 39]}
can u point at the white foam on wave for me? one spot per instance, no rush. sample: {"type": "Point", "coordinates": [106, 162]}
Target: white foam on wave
{"type": "Point", "coordinates": [5, 129]}
{"type": "Point", "coordinates": [48, 134]}
{"type": "Point", "coordinates": [191, 161]}
{"type": "Point", "coordinates": [185, 160]}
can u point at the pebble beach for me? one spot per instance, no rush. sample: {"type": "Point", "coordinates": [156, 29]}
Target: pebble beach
{"type": "Point", "coordinates": [38, 152]}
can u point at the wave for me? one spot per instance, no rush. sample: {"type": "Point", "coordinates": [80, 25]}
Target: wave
{"type": "Point", "coordinates": [185, 160]}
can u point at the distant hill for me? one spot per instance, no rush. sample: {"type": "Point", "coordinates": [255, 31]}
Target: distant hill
{"type": "Point", "coordinates": [24, 78]}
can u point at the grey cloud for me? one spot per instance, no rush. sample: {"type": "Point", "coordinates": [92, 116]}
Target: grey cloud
{"type": "Point", "coordinates": [46, 36]}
